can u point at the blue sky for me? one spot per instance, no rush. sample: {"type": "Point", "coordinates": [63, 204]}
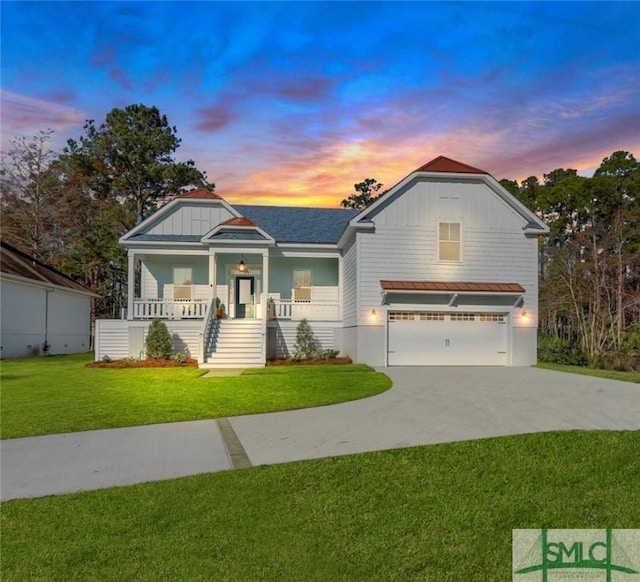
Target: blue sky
{"type": "Point", "coordinates": [294, 102]}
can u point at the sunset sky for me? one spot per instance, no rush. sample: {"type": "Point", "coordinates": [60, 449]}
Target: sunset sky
{"type": "Point", "coordinates": [292, 103]}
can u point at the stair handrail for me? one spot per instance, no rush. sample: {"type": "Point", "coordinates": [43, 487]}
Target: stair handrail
{"type": "Point", "coordinates": [204, 330]}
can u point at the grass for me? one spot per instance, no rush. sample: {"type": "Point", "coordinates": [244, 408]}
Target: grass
{"type": "Point", "coordinates": [442, 513]}
{"type": "Point", "coordinates": [609, 374]}
{"type": "Point", "coordinates": [59, 394]}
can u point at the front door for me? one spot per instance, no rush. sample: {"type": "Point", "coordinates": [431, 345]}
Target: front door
{"type": "Point", "coordinates": [245, 302]}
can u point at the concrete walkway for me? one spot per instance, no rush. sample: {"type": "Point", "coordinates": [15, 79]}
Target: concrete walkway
{"type": "Point", "coordinates": [425, 406]}
{"type": "Point", "coordinates": [65, 463]}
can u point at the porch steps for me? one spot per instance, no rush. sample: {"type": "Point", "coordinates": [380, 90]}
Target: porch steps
{"type": "Point", "coordinates": [235, 343]}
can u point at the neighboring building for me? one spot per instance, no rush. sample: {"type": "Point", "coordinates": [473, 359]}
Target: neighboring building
{"type": "Point", "coordinates": [441, 270]}
{"type": "Point", "coordinates": [41, 310]}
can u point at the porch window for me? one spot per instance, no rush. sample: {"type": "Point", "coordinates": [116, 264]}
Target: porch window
{"type": "Point", "coordinates": [182, 283]}
{"type": "Point", "coordinates": [449, 241]}
{"type": "Point", "coordinates": [302, 285]}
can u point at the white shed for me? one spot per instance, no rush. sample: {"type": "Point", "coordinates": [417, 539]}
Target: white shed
{"type": "Point", "coordinates": [41, 309]}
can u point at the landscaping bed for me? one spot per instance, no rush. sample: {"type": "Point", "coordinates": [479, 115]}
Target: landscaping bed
{"type": "Point", "coordinates": [319, 362]}
{"type": "Point", "coordinates": [148, 363]}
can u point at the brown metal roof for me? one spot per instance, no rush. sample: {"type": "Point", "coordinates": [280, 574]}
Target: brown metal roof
{"type": "Point", "coordinates": [239, 221]}
{"type": "Point", "coordinates": [200, 194]}
{"type": "Point", "coordinates": [452, 287]}
{"type": "Point", "coordinates": [15, 262]}
{"type": "Point", "coordinates": [447, 165]}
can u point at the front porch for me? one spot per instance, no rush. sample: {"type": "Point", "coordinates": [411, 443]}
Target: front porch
{"type": "Point", "coordinates": [233, 286]}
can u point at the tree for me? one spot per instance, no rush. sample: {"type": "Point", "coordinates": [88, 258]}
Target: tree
{"type": "Point", "coordinates": [364, 195]}
{"type": "Point", "coordinates": [306, 346]}
{"type": "Point", "coordinates": [158, 342]}
{"type": "Point", "coordinates": [30, 195]}
{"type": "Point", "coordinates": [129, 158]}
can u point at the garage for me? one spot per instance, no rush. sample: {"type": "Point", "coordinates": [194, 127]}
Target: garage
{"type": "Point", "coordinates": [447, 338]}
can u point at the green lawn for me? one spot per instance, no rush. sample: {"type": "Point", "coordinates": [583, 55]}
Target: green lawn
{"type": "Point", "coordinates": [610, 374]}
{"type": "Point", "coordinates": [59, 394]}
{"type": "Point", "coordinates": [442, 513]}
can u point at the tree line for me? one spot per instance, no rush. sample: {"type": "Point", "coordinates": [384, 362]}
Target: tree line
{"type": "Point", "coordinates": [69, 209]}
{"type": "Point", "coordinates": [589, 264]}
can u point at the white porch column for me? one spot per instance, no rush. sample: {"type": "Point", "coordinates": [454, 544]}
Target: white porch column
{"type": "Point", "coordinates": [340, 288]}
{"type": "Point", "coordinates": [265, 283]}
{"type": "Point", "coordinates": [131, 282]}
{"type": "Point", "coordinates": [212, 274]}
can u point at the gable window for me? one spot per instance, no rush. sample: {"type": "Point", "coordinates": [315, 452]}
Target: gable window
{"type": "Point", "coordinates": [302, 285]}
{"type": "Point", "coordinates": [449, 241]}
{"type": "Point", "coordinates": [182, 282]}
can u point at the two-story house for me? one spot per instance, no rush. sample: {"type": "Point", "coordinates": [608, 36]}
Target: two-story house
{"type": "Point", "coordinates": [440, 270]}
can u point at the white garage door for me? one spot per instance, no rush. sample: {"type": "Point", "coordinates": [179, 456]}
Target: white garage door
{"type": "Point", "coordinates": [426, 338]}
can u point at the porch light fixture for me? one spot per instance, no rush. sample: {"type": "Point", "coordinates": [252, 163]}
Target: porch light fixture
{"type": "Point", "coordinates": [374, 313]}
{"type": "Point", "coordinates": [524, 314]}
{"type": "Point", "coordinates": [242, 265]}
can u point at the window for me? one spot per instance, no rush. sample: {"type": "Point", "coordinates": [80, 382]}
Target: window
{"type": "Point", "coordinates": [401, 316]}
{"type": "Point", "coordinates": [492, 317]}
{"type": "Point", "coordinates": [426, 316]}
{"type": "Point", "coordinates": [182, 282]}
{"type": "Point", "coordinates": [449, 241]}
{"type": "Point", "coordinates": [463, 317]}
{"type": "Point", "coordinates": [302, 285]}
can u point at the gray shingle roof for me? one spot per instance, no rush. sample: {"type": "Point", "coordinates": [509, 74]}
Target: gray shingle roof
{"type": "Point", "coordinates": [300, 225]}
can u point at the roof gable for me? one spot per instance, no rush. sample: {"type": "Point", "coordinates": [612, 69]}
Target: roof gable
{"type": "Point", "coordinates": [439, 169]}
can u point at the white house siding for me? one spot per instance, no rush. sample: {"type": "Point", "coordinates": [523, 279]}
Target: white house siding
{"type": "Point", "coordinates": [23, 312]}
{"type": "Point", "coordinates": [404, 246]}
{"type": "Point", "coordinates": [190, 219]}
{"type": "Point", "coordinates": [350, 286]}
{"type": "Point", "coordinates": [119, 338]}
{"type": "Point", "coordinates": [284, 335]}
{"type": "Point", "coordinates": [149, 284]}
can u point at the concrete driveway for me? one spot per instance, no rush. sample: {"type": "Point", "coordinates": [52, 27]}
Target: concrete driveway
{"type": "Point", "coordinates": [435, 405]}
{"type": "Point", "coordinates": [425, 406]}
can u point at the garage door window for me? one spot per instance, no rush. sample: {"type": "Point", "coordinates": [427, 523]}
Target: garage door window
{"type": "Point", "coordinates": [492, 317]}
{"type": "Point", "coordinates": [449, 241]}
{"type": "Point", "coordinates": [401, 316]}
{"type": "Point", "coordinates": [432, 316]}
{"type": "Point", "coordinates": [463, 317]}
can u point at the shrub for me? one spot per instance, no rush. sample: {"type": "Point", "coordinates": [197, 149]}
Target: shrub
{"type": "Point", "coordinates": [306, 346]}
{"type": "Point", "coordinates": [557, 351]}
{"type": "Point", "coordinates": [158, 342]}
{"type": "Point", "coordinates": [179, 358]}
{"type": "Point", "coordinates": [106, 359]}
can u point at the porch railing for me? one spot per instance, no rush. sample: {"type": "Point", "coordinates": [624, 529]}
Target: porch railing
{"type": "Point", "coordinates": [312, 310]}
{"type": "Point", "coordinates": [170, 308]}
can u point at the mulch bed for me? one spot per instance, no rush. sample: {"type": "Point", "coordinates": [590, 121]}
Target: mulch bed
{"type": "Point", "coordinates": [148, 363]}
{"type": "Point", "coordinates": [310, 362]}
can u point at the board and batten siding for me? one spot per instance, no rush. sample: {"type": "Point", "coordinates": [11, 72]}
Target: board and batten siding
{"type": "Point", "coordinates": [190, 219]}
{"type": "Point", "coordinates": [404, 245]}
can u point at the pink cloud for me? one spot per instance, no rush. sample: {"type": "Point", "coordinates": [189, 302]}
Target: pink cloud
{"type": "Point", "coordinates": [214, 118]}
{"type": "Point", "coordinates": [23, 115]}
